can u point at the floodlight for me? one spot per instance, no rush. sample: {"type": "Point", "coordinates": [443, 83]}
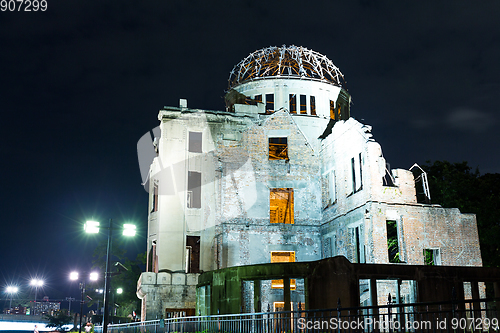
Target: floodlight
{"type": "Point", "coordinates": [91, 227]}
{"type": "Point", "coordinates": [36, 283]}
{"type": "Point", "coordinates": [73, 276]}
{"type": "Point", "coordinates": [93, 276]}
{"type": "Point", "coordinates": [129, 230]}
{"type": "Point", "coordinates": [119, 290]}
{"type": "Point", "coordinates": [12, 289]}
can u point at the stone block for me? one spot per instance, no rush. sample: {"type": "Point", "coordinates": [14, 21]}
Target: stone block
{"type": "Point", "coordinates": [148, 278]}
{"type": "Point", "coordinates": [164, 278]}
{"type": "Point", "coordinates": [179, 278]}
{"type": "Point", "coordinates": [191, 279]}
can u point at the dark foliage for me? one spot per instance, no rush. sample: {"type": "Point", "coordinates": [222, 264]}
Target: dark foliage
{"type": "Point", "coordinates": [456, 185]}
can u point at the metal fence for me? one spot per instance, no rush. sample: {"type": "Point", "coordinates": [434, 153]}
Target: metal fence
{"type": "Point", "coordinates": [458, 316]}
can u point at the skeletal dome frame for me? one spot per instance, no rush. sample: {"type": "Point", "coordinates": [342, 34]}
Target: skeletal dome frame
{"type": "Point", "coordinates": [286, 61]}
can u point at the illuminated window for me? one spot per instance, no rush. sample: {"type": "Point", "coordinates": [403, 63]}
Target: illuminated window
{"type": "Point", "coordinates": [269, 103]}
{"type": "Point", "coordinates": [303, 105]}
{"type": "Point", "coordinates": [281, 205]}
{"type": "Point", "coordinates": [282, 256]}
{"type": "Point", "coordinates": [292, 101]}
{"type": "Point", "coordinates": [194, 190]}
{"type": "Point", "coordinates": [332, 110]}
{"type": "Point", "coordinates": [278, 148]}
{"type": "Point", "coordinates": [312, 101]}
{"type": "Point", "coordinates": [195, 142]}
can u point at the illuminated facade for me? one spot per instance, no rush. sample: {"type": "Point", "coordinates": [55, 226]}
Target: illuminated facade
{"type": "Point", "coordinates": [284, 174]}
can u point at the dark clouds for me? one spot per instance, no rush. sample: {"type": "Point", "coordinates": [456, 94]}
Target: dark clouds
{"type": "Point", "coordinates": [83, 81]}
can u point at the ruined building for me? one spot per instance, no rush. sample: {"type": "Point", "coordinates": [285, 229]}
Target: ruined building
{"type": "Point", "coordinates": [284, 174]}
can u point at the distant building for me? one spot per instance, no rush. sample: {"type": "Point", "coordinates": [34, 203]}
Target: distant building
{"type": "Point", "coordinates": [284, 174]}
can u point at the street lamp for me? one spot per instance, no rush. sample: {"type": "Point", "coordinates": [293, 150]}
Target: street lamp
{"type": "Point", "coordinates": [11, 290]}
{"type": "Point", "coordinates": [93, 227]}
{"type": "Point", "coordinates": [74, 276]}
{"type": "Point", "coordinates": [36, 283]}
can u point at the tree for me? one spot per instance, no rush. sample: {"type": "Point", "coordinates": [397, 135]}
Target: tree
{"type": "Point", "coordinates": [58, 320]}
{"type": "Point", "coordinates": [125, 278]}
{"type": "Point", "coordinates": [456, 185]}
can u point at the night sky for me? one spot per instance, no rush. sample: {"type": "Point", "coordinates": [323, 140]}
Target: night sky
{"type": "Point", "coordinates": [81, 82]}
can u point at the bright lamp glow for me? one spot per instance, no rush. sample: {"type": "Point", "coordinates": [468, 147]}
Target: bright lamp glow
{"type": "Point", "coordinates": [94, 276]}
{"type": "Point", "coordinates": [119, 290]}
{"type": "Point", "coordinates": [91, 227]}
{"type": "Point", "coordinates": [73, 276]}
{"type": "Point", "coordinates": [12, 289]}
{"type": "Point", "coordinates": [36, 283]}
{"type": "Point", "coordinates": [128, 230]}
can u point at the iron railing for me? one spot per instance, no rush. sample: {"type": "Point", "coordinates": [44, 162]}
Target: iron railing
{"type": "Point", "coordinates": [480, 315]}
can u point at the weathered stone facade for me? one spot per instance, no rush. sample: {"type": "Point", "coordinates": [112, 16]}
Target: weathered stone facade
{"type": "Point", "coordinates": [284, 174]}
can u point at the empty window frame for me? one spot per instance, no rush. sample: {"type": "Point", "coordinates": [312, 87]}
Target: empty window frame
{"type": "Point", "coordinates": [195, 142]}
{"type": "Point", "coordinates": [303, 104]}
{"type": "Point", "coordinates": [192, 254]}
{"type": "Point", "coordinates": [332, 110]}
{"type": "Point", "coordinates": [194, 190]}
{"type": "Point", "coordinates": [282, 256]}
{"type": "Point", "coordinates": [393, 241]}
{"type": "Point", "coordinates": [278, 148]}
{"type": "Point", "coordinates": [432, 257]}
{"type": "Point", "coordinates": [357, 244]}
{"type": "Point", "coordinates": [357, 181]}
{"type": "Point", "coordinates": [154, 198]}
{"type": "Point", "coordinates": [312, 103]}
{"type": "Point", "coordinates": [332, 196]}
{"type": "Point", "coordinates": [281, 205]}
{"type": "Point", "coordinates": [292, 102]}
{"type": "Point", "coordinates": [269, 103]}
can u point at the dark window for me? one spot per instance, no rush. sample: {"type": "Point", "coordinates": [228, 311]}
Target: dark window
{"type": "Point", "coordinates": [192, 254]}
{"type": "Point", "coordinates": [194, 190]}
{"type": "Point", "coordinates": [392, 241]}
{"type": "Point", "coordinates": [303, 105]}
{"type": "Point", "coordinates": [293, 103]}
{"type": "Point", "coordinates": [154, 198]}
{"type": "Point", "coordinates": [269, 103]}
{"type": "Point", "coordinates": [195, 142]}
{"type": "Point", "coordinates": [312, 101]}
{"type": "Point", "coordinates": [278, 149]}
{"type": "Point", "coordinates": [258, 98]}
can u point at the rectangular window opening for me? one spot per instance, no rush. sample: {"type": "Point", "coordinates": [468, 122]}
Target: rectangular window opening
{"type": "Point", "coordinates": [393, 241]}
{"type": "Point", "coordinates": [283, 256]}
{"type": "Point", "coordinates": [195, 142]}
{"type": "Point", "coordinates": [192, 254]}
{"type": "Point", "coordinates": [281, 205]}
{"type": "Point", "coordinates": [269, 103]}
{"type": "Point", "coordinates": [332, 110]}
{"type": "Point", "coordinates": [312, 102]}
{"type": "Point", "coordinates": [303, 105]}
{"type": "Point", "coordinates": [432, 257]}
{"type": "Point", "coordinates": [292, 102]}
{"type": "Point", "coordinates": [194, 190]}
{"type": "Point", "coordinates": [258, 98]}
{"type": "Point", "coordinates": [278, 148]}
{"type": "Point", "coordinates": [154, 198]}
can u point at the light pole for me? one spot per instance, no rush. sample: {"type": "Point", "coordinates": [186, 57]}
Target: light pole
{"type": "Point", "coordinates": [36, 283]}
{"type": "Point", "coordinates": [74, 276]}
{"type": "Point", "coordinates": [11, 290]}
{"type": "Point", "coordinates": [70, 299]}
{"type": "Point", "coordinates": [93, 227]}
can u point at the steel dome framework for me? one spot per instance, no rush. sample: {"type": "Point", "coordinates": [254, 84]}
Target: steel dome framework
{"type": "Point", "coordinates": [286, 61]}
